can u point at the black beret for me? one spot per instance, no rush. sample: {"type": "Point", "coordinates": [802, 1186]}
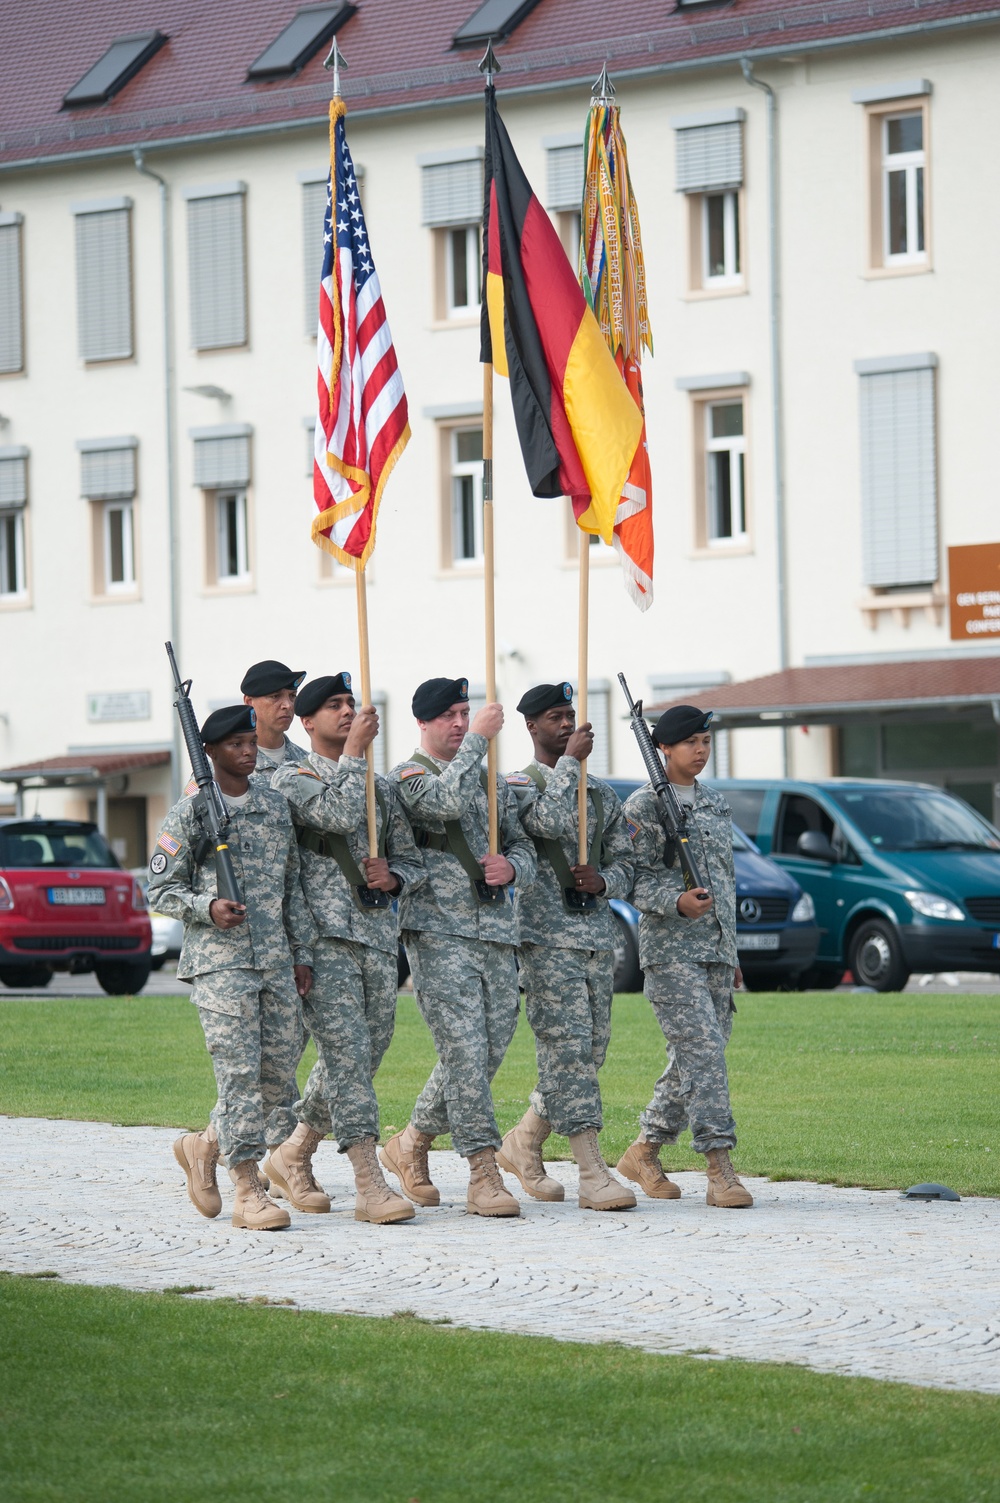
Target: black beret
{"type": "Point", "coordinates": [436, 695]}
{"type": "Point", "coordinates": [318, 690]}
{"type": "Point", "coordinates": [680, 722]}
{"type": "Point", "coordinates": [543, 697]}
{"type": "Point", "coordinates": [268, 677]}
{"type": "Point", "coordinates": [234, 720]}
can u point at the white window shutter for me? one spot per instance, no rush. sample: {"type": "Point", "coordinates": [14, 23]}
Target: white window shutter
{"type": "Point", "coordinates": [222, 462]}
{"type": "Point", "coordinates": [899, 478]}
{"type": "Point", "coordinates": [599, 715]}
{"type": "Point", "coordinates": [107, 474]}
{"type": "Point", "coordinates": [104, 284]}
{"type": "Point", "coordinates": [313, 216]}
{"type": "Point", "coordinates": [11, 303]}
{"type": "Point", "coordinates": [710, 157]}
{"type": "Point", "coordinates": [453, 192]}
{"type": "Point", "coordinates": [564, 177]}
{"type": "Point", "coordinates": [14, 479]}
{"type": "Point", "coordinates": [217, 271]}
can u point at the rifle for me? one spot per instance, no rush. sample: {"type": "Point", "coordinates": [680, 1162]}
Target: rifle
{"type": "Point", "coordinates": [210, 806]}
{"type": "Point", "coordinates": [674, 815]}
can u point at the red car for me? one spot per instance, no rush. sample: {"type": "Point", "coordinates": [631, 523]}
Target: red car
{"type": "Point", "coordinates": [66, 905]}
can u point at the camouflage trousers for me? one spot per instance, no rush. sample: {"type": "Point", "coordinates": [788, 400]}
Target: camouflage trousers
{"type": "Point", "coordinates": [693, 1004]}
{"type": "Point", "coordinates": [466, 990]}
{"type": "Point", "coordinates": [567, 997]}
{"type": "Point", "coordinates": [350, 1012]}
{"type": "Point", "coordinates": [252, 1021]}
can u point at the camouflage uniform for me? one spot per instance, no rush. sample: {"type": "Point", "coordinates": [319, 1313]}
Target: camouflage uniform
{"type": "Point", "coordinates": [567, 959]}
{"type": "Point", "coordinates": [242, 978]}
{"type": "Point", "coordinates": [461, 952]}
{"type": "Point", "coordinates": [690, 966]}
{"type": "Point", "coordinates": [351, 1008]}
{"type": "Point", "coordinates": [291, 754]}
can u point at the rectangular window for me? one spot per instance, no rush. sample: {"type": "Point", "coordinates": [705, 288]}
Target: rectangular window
{"type": "Point", "coordinates": [12, 572]}
{"type": "Point", "coordinates": [232, 564]}
{"type": "Point", "coordinates": [599, 715]}
{"type": "Point", "coordinates": [11, 295]}
{"type": "Point", "coordinates": [463, 270]}
{"type": "Point", "coordinates": [899, 512]}
{"type": "Point", "coordinates": [725, 475]}
{"type": "Point", "coordinates": [104, 279]}
{"type": "Point", "coordinates": [217, 266]}
{"type": "Point", "coordinates": [899, 184]}
{"type": "Point", "coordinates": [119, 547]}
{"type": "Point", "coordinates": [903, 187]}
{"type": "Point", "coordinates": [720, 238]}
{"type": "Point", "coordinates": [467, 496]}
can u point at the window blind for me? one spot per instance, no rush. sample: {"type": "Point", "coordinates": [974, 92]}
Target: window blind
{"type": "Point", "coordinates": [453, 192]}
{"type": "Point", "coordinates": [222, 460]}
{"type": "Point", "coordinates": [709, 157]}
{"type": "Point", "coordinates": [313, 215]}
{"type": "Point", "coordinates": [104, 284]}
{"type": "Point", "coordinates": [14, 478]}
{"type": "Point", "coordinates": [565, 177]}
{"type": "Point", "coordinates": [107, 474]}
{"type": "Point", "coordinates": [599, 715]}
{"type": "Point", "coordinates": [11, 301]}
{"type": "Point", "coordinates": [217, 271]}
{"type": "Point", "coordinates": [899, 521]}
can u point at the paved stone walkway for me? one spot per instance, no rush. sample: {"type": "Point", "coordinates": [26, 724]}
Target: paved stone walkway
{"type": "Point", "coordinates": [846, 1281]}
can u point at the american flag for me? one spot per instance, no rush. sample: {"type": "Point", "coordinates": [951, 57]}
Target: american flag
{"type": "Point", "coordinates": [362, 425]}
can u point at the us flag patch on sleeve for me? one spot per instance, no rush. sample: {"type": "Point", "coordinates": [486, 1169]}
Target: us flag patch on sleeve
{"type": "Point", "coordinates": [169, 844]}
{"type": "Point", "coordinates": [633, 829]}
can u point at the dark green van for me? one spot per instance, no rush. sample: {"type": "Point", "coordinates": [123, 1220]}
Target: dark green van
{"type": "Point", "coordinates": [904, 876]}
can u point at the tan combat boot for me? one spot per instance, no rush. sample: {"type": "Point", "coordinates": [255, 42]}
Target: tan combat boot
{"type": "Point", "coordinates": [724, 1189]}
{"type": "Point", "coordinates": [198, 1153]}
{"type": "Point", "coordinates": [253, 1209]}
{"type": "Point", "coordinates": [289, 1169]}
{"type": "Point", "coordinates": [405, 1156]}
{"type": "Point", "coordinates": [641, 1163]}
{"type": "Point", "coordinates": [375, 1202]}
{"type": "Point", "coordinates": [521, 1154]}
{"type": "Point", "coordinates": [599, 1190]}
{"type": "Point", "coordinates": [487, 1194]}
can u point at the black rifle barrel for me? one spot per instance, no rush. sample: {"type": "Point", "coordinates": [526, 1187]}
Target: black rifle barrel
{"type": "Point", "coordinates": [210, 805]}
{"type": "Point", "coordinates": [674, 815]}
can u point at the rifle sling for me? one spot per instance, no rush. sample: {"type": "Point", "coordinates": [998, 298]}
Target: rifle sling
{"type": "Point", "coordinates": [453, 839]}
{"type": "Point", "coordinates": [553, 848]}
{"type": "Point", "coordinates": [335, 847]}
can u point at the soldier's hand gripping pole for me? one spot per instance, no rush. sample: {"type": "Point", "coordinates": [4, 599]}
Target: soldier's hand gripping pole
{"type": "Point", "coordinates": [210, 804]}
{"type": "Point", "coordinates": [674, 816]}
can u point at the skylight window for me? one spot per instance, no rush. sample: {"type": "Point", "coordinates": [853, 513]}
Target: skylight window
{"type": "Point", "coordinates": [301, 39]}
{"type": "Point", "coordinates": [122, 61]}
{"type": "Point", "coordinates": [496, 19]}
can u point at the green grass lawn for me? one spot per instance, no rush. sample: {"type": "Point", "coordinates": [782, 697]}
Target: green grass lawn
{"type": "Point", "coordinates": [110, 1397]}
{"type": "Point", "coordinates": [854, 1089]}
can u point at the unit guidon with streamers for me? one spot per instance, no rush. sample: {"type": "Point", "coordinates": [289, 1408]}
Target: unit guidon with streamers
{"type": "Point", "coordinates": [362, 425]}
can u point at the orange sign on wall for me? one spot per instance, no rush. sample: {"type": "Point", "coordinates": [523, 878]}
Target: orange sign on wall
{"type": "Point", "coordinates": [974, 592]}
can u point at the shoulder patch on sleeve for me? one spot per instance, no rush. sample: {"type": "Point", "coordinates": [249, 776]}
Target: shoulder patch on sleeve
{"type": "Point", "coordinates": [158, 863]}
{"type": "Point", "coordinates": [518, 779]}
{"type": "Point", "coordinates": [169, 844]}
{"type": "Point", "coordinates": [411, 772]}
{"type": "Point", "coordinates": [633, 828]}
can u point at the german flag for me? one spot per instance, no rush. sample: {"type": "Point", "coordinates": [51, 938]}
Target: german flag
{"type": "Point", "coordinates": [578, 426]}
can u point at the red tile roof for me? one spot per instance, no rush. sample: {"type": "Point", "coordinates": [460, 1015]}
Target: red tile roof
{"type": "Point", "coordinates": [96, 765]}
{"type": "Point", "coordinates": [812, 693]}
{"type": "Point", "coordinates": [399, 54]}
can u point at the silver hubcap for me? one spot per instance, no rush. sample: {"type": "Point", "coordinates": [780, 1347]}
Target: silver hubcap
{"type": "Point", "coordinates": [874, 958]}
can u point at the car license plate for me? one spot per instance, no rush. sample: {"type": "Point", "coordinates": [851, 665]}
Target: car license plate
{"type": "Point", "coordinates": [76, 896]}
{"type": "Point", "coordinates": [756, 941]}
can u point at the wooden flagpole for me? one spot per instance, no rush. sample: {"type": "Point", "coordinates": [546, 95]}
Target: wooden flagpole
{"type": "Point", "coordinates": [488, 592]}
{"type": "Point", "coordinates": [366, 699]}
{"type": "Point", "coordinates": [583, 654]}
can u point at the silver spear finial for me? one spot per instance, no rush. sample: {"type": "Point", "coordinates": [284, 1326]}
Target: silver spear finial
{"type": "Point", "coordinates": [489, 64]}
{"type": "Point", "coordinates": [335, 59]}
{"type": "Point", "coordinates": [604, 89]}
